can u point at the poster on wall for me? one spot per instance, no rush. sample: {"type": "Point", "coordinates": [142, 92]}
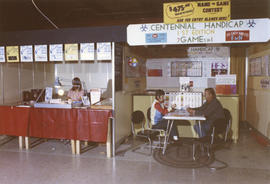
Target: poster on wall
{"type": "Point", "coordinates": [104, 51]}
{"type": "Point", "coordinates": [87, 51]}
{"type": "Point", "coordinates": [71, 52]}
{"type": "Point", "coordinates": [265, 63]}
{"type": "Point", "coordinates": [2, 54]}
{"type": "Point", "coordinates": [219, 68]}
{"type": "Point", "coordinates": [26, 53]}
{"type": "Point", "coordinates": [41, 53]}
{"type": "Point", "coordinates": [258, 66]}
{"type": "Point", "coordinates": [186, 69]}
{"type": "Point", "coordinates": [56, 52]}
{"type": "Point", "coordinates": [154, 70]}
{"type": "Point", "coordinates": [12, 54]}
{"type": "Point", "coordinates": [132, 66]}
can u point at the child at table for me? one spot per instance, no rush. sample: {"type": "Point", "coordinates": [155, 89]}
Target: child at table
{"type": "Point", "coordinates": [158, 110]}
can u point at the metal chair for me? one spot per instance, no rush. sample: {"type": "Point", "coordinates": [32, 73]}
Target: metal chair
{"type": "Point", "coordinates": [218, 135]}
{"type": "Point", "coordinates": [138, 119]}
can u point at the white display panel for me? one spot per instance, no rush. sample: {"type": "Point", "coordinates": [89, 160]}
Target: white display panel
{"type": "Point", "coordinates": [87, 51]}
{"type": "Point", "coordinates": [41, 53]}
{"type": "Point", "coordinates": [104, 51]}
{"type": "Point", "coordinates": [26, 53]}
{"type": "Point", "coordinates": [56, 52]}
{"type": "Point", "coordinates": [2, 54]}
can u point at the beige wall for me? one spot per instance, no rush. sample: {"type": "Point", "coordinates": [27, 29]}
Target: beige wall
{"type": "Point", "coordinates": [17, 77]}
{"type": "Point", "coordinates": [123, 99]}
{"type": "Point", "coordinates": [237, 66]}
{"type": "Point", "coordinates": [258, 99]}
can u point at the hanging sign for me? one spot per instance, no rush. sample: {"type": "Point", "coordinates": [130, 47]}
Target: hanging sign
{"type": "Point", "coordinates": [2, 54]}
{"type": "Point", "coordinates": [199, 11]}
{"type": "Point", "coordinates": [234, 31]}
{"type": "Point", "coordinates": [56, 52]}
{"type": "Point", "coordinates": [41, 53]}
{"type": "Point", "coordinates": [71, 52]}
{"type": "Point", "coordinates": [12, 54]}
{"type": "Point", "coordinates": [26, 53]}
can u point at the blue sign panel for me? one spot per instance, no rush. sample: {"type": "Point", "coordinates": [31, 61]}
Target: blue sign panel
{"type": "Point", "coordinates": [156, 38]}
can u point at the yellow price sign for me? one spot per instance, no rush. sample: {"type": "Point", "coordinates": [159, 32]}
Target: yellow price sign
{"type": "Point", "coordinates": [71, 52]}
{"type": "Point", "coordinates": [12, 53]}
{"type": "Point", "coordinates": [199, 11]}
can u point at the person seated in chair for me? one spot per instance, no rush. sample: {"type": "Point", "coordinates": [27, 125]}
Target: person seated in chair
{"type": "Point", "coordinates": [211, 109]}
{"type": "Point", "coordinates": [76, 92]}
{"type": "Point", "coordinates": [158, 110]}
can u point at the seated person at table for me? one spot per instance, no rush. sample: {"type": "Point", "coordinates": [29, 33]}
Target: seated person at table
{"type": "Point", "coordinates": [76, 92]}
{"type": "Point", "coordinates": [211, 109]}
{"type": "Point", "coordinates": [158, 110]}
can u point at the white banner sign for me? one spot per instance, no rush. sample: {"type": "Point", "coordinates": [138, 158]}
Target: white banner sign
{"type": "Point", "coordinates": [234, 31]}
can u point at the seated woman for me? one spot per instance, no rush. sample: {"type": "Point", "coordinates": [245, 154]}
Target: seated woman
{"type": "Point", "coordinates": [76, 92]}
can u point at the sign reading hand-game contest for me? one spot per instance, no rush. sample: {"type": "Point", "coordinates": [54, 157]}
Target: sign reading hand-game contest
{"type": "Point", "coordinates": [197, 11]}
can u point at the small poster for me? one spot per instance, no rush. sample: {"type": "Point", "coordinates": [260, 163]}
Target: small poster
{"type": "Point", "coordinates": [219, 68]}
{"type": "Point", "coordinates": [26, 53]}
{"type": "Point", "coordinates": [265, 65]}
{"type": "Point", "coordinates": [132, 67]}
{"type": "Point", "coordinates": [71, 52]}
{"type": "Point", "coordinates": [2, 54]}
{"type": "Point", "coordinates": [87, 51]}
{"type": "Point", "coordinates": [12, 54]}
{"type": "Point", "coordinates": [56, 52]}
{"type": "Point", "coordinates": [41, 53]}
{"type": "Point", "coordinates": [104, 51]}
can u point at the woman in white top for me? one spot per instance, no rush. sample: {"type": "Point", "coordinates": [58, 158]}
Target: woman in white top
{"type": "Point", "coordinates": [76, 92]}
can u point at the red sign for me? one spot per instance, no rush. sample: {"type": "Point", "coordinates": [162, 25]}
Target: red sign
{"type": "Point", "coordinates": [237, 35]}
{"type": "Point", "coordinates": [154, 72]}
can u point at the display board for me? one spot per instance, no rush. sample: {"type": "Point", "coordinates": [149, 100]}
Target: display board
{"type": "Point", "coordinates": [118, 66]}
{"type": "Point", "coordinates": [2, 54]}
{"type": "Point", "coordinates": [259, 66]}
{"type": "Point", "coordinates": [203, 63]}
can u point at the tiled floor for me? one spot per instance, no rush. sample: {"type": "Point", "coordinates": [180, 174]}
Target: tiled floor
{"type": "Point", "coordinates": [52, 163]}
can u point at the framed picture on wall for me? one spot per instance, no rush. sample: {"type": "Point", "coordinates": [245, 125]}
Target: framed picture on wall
{"type": "Point", "coordinates": [12, 54]}
{"type": "Point", "coordinates": [71, 52]}
{"type": "Point", "coordinates": [26, 53]}
{"type": "Point", "coordinates": [41, 53]}
{"type": "Point", "coordinates": [186, 69]}
{"type": "Point", "coordinates": [56, 52]}
{"type": "Point", "coordinates": [87, 51]}
{"type": "Point", "coordinates": [104, 51]}
{"type": "Point", "coordinates": [2, 54]}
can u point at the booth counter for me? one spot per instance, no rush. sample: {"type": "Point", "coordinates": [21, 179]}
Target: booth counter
{"type": "Point", "coordinates": [76, 124]}
{"type": "Point", "coordinates": [231, 102]}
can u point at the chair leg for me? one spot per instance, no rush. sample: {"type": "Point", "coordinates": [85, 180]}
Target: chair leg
{"type": "Point", "coordinates": [150, 144]}
{"type": "Point", "coordinates": [193, 151]}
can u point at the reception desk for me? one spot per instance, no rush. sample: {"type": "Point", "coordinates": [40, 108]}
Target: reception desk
{"type": "Point", "coordinates": [76, 124]}
{"type": "Point", "coordinates": [231, 102]}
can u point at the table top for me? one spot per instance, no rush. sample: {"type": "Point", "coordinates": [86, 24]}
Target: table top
{"type": "Point", "coordinates": [182, 115]}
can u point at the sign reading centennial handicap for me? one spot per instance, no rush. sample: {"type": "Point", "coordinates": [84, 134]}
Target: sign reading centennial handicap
{"type": "Point", "coordinates": [233, 31]}
{"type": "Point", "coordinates": [199, 11]}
